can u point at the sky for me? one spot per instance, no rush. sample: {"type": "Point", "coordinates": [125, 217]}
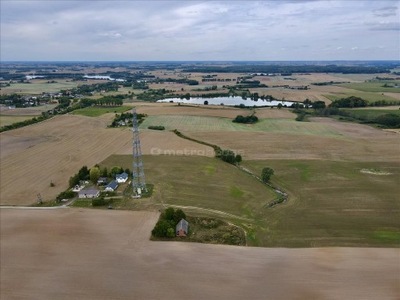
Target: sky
{"type": "Point", "coordinates": [76, 30]}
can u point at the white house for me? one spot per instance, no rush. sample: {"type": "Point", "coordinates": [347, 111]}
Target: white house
{"type": "Point", "coordinates": [121, 178]}
{"type": "Point", "coordinates": [111, 187]}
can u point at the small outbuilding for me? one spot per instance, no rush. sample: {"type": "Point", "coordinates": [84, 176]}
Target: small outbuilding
{"type": "Point", "coordinates": [121, 178]}
{"type": "Point", "coordinates": [89, 193]}
{"type": "Point", "coordinates": [182, 228]}
{"type": "Point", "coordinates": [102, 181]}
{"type": "Point", "coordinates": [112, 186]}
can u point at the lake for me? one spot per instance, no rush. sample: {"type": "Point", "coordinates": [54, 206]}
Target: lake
{"type": "Point", "coordinates": [102, 78]}
{"type": "Point", "coordinates": [230, 101]}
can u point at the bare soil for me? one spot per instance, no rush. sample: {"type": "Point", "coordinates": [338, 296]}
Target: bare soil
{"type": "Point", "coordinates": [103, 254]}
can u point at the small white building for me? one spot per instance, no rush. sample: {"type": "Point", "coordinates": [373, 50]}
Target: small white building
{"type": "Point", "coordinates": [121, 178]}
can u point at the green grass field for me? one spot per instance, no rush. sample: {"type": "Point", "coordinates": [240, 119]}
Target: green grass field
{"type": "Point", "coordinates": [374, 86]}
{"type": "Point", "coordinates": [202, 182]}
{"type": "Point", "coordinates": [211, 124]}
{"type": "Point", "coordinates": [333, 204]}
{"type": "Point", "coordinates": [370, 114]}
{"type": "Point", "coordinates": [96, 111]}
{"type": "Point", "coordinates": [330, 203]}
{"type": "Point", "coordinates": [369, 96]}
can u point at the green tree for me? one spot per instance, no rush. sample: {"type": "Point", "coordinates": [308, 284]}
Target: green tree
{"type": "Point", "coordinates": [161, 228]}
{"type": "Point", "coordinates": [319, 105]}
{"type": "Point", "coordinates": [115, 170]}
{"type": "Point", "coordinates": [266, 174]}
{"type": "Point", "coordinates": [74, 180]}
{"type": "Point", "coordinates": [170, 232]}
{"type": "Point", "coordinates": [179, 215]}
{"type": "Point", "coordinates": [169, 214]}
{"type": "Point", "coordinates": [104, 172]}
{"type": "Point", "coordinates": [83, 173]}
{"type": "Point", "coordinates": [238, 158]}
{"type": "Point", "coordinates": [228, 156]}
{"type": "Point", "coordinates": [94, 174]}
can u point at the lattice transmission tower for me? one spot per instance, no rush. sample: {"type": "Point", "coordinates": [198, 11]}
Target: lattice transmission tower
{"type": "Point", "coordinates": [138, 179]}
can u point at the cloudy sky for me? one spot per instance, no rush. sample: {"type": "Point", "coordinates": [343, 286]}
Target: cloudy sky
{"type": "Point", "coordinates": [200, 30]}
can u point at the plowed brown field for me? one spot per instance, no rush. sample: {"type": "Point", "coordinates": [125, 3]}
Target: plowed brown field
{"type": "Point", "coordinates": [103, 254]}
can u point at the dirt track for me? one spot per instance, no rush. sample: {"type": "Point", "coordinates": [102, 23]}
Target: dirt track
{"type": "Point", "coordinates": [101, 254]}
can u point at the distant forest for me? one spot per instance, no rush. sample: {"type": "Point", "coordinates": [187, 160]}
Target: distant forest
{"type": "Point", "coordinates": [288, 70]}
{"type": "Point", "coordinates": [17, 70]}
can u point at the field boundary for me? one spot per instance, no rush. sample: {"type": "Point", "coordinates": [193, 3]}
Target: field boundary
{"type": "Point", "coordinates": [283, 196]}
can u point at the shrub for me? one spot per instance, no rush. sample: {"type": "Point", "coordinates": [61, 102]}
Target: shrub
{"type": "Point", "coordinates": [65, 195]}
{"type": "Point", "coordinates": [156, 127]}
{"type": "Point", "coordinates": [161, 228]}
{"type": "Point", "coordinates": [388, 120]}
{"type": "Point", "coordinates": [100, 201]}
{"type": "Point", "coordinates": [246, 120]}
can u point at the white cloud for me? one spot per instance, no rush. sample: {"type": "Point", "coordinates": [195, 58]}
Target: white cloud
{"type": "Point", "coordinates": [193, 30]}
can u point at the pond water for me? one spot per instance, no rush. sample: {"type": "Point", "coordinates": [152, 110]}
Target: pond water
{"type": "Point", "coordinates": [230, 101]}
{"type": "Point", "coordinates": [102, 77]}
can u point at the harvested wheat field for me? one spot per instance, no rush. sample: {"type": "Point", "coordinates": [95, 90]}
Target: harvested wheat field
{"type": "Point", "coordinates": [156, 142]}
{"type": "Point", "coordinates": [323, 138]}
{"type": "Point", "coordinates": [155, 109]}
{"type": "Point", "coordinates": [52, 151]}
{"type": "Point", "coordinates": [103, 254]}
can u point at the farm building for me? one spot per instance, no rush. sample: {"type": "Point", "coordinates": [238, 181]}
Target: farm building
{"type": "Point", "coordinates": [112, 186]}
{"type": "Point", "coordinates": [77, 188]}
{"type": "Point", "coordinates": [89, 193]}
{"type": "Point", "coordinates": [102, 181]}
{"type": "Point", "coordinates": [182, 228]}
{"type": "Point", "coordinates": [121, 178]}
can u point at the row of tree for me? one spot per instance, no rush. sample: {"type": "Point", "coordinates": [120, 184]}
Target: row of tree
{"type": "Point", "coordinates": [246, 119]}
{"type": "Point", "coordinates": [116, 100]}
{"type": "Point", "coordinates": [94, 173]}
